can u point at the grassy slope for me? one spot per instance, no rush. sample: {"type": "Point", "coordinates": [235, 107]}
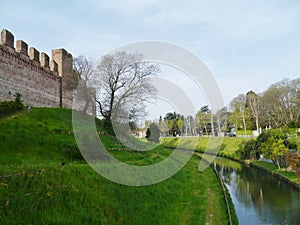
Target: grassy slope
{"type": "Point", "coordinates": [41, 191]}
{"type": "Point", "coordinates": [33, 138]}
{"type": "Point", "coordinates": [274, 168]}
{"type": "Point", "coordinates": [229, 146]}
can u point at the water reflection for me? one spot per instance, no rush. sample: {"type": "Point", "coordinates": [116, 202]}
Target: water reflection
{"type": "Point", "coordinates": [258, 197]}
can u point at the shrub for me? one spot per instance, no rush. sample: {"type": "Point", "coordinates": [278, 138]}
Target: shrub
{"type": "Point", "coordinates": [275, 150]}
{"type": "Point", "coordinates": [273, 133]}
{"type": "Point", "coordinates": [293, 160]}
{"type": "Point", "coordinates": [153, 133]}
{"type": "Point", "coordinates": [251, 150]}
{"type": "Point", "coordinates": [18, 102]}
{"type": "Point", "coordinates": [7, 108]}
{"type": "Point", "coordinates": [292, 143]}
{"type": "Point", "coordinates": [293, 124]}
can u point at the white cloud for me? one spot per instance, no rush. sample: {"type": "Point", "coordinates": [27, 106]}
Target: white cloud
{"type": "Point", "coordinates": [235, 20]}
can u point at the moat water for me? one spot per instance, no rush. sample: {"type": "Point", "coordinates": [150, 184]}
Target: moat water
{"type": "Point", "coordinates": [258, 197]}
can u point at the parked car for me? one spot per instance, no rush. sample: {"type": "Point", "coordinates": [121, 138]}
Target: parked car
{"type": "Point", "coordinates": [232, 134]}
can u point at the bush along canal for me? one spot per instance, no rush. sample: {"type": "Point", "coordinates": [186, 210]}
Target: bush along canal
{"type": "Point", "coordinates": [258, 197]}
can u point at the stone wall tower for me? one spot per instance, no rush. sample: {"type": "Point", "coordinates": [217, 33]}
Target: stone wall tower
{"type": "Point", "coordinates": [42, 82]}
{"type": "Point", "coordinates": [69, 79]}
{"type": "Point", "coordinates": [27, 72]}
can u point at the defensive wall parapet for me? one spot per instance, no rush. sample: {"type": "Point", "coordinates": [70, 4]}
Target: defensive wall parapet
{"type": "Point", "coordinates": [42, 82]}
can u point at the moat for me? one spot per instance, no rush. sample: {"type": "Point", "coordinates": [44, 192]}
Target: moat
{"type": "Point", "coordinates": [258, 197]}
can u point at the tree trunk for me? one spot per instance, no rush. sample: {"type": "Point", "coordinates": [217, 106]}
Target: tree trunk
{"type": "Point", "coordinates": [244, 123]}
{"type": "Point", "coordinates": [212, 127]}
{"type": "Point", "coordinates": [278, 163]}
{"type": "Point", "coordinates": [257, 125]}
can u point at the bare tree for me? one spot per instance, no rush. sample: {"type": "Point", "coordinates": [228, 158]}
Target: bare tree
{"type": "Point", "coordinates": [84, 68]}
{"type": "Point", "coordinates": [253, 102]}
{"type": "Point", "coordinates": [125, 84]}
{"type": "Point", "coordinates": [280, 103]}
{"type": "Point", "coordinates": [238, 107]}
{"type": "Point", "coordinates": [296, 97]}
{"type": "Point", "coordinates": [221, 117]}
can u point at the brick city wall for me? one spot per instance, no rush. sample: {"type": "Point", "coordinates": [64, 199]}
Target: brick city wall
{"type": "Point", "coordinates": [41, 82]}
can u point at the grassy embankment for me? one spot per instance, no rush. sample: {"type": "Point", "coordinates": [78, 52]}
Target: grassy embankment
{"type": "Point", "coordinates": [229, 148]}
{"type": "Point", "coordinates": [272, 168]}
{"type": "Point", "coordinates": [36, 189]}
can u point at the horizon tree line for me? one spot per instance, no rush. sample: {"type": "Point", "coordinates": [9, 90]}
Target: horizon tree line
{"type": "Point", "coordinates": [278, 106]}
{"type": "Point", "coordinates": [120, 85]}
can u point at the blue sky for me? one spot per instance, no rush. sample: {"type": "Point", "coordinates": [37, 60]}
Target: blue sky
{"type": "Point", "coordinates": [248, 45]}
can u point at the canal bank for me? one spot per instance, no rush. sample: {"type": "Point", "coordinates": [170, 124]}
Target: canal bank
{"type": "Point", "coordinates": [258, 198]}
{"type": "Point", "coordinates": [279, 176]}
{"type": "Point", "coordinates": [232, 217]}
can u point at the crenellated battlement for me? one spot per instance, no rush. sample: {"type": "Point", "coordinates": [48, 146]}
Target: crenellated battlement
{"type": "Point", "coordinates": [25, 70]}
{"type": "Point", "coordinates": [22, 47]}
{"type": "Point", "coordinates": [7, 38]}
{"type": "Point", "coordinates": [39, 59]}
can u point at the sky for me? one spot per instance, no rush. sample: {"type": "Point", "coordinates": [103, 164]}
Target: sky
{"type": "Point", "coordinates": [247, 45]}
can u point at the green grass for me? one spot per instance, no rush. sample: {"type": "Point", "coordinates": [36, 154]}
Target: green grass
{"type": "Point", "coordinates": [229, 146]}
{"type": "Point", "coordinates": [31, 139]}
{"type": "Point", "coordinates": [75, 194]}
{"type": "Point", "coordinates": [39, 190]}
{"type": "Point", "coordinates": [274, 168]}
{"type": "Point", "coordinates": [156, 155]}
{"type": "Point", "coordinates": [242, 132]}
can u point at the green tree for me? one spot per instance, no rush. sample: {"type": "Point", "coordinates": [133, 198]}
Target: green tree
{"type": "Point", "coordinates": [237, 117]}
{"type": "Point", "coordinates": [240, 114]}
{"type": "Point", "coordinates": [251, 150]}
{"type": "Point", "coordinates": [179, 124]}
{"type": "Point", "coordinates": [170, 127]}
{"type": "Point", "coordinates": [171, 119]}
{"type": "Point", "coordinates": [163, 127]}
{"type": "Point", "coordinates": [204, 118]}
{"type": "Point", "coordinates": [274, 149]}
